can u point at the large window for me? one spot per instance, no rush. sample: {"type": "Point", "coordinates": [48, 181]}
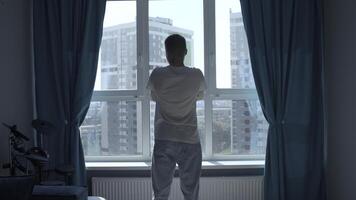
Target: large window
{"type": "Point", "coordinates": [119, 124]}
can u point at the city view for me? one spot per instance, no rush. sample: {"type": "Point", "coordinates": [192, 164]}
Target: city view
{"type": "Point", "coordinates": [114, 128]}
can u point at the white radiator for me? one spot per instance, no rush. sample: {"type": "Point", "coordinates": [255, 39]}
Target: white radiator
{"type": "Point", "coordinates": [211, 188]}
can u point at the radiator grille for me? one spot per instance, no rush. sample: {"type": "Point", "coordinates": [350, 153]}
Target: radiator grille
{"type": "Point", "coordinates": [211, 188]}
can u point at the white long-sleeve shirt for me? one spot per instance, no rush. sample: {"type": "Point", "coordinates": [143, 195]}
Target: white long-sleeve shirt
{"type": "Point", "coordinates": [175, 91]}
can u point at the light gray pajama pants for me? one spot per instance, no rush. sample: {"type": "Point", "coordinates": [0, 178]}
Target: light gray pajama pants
{"type": "Point", "coordinates": [165, 156]}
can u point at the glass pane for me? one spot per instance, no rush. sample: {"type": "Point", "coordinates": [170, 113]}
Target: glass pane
{"type": "Point", "coordinates": [233, 66]}
{"type": "Point", "coordinates": [200, 118]}
{"type": "Point", "coordinates": [117, 66]}
{"type": "Point", "coordinates": [175, 17]}
{"type": "Point", "coordinates": [112, 128]}
{"type": "Point", "coordinates": [201, 124]}
{"type": "Point", "coordinates": [239, 127]}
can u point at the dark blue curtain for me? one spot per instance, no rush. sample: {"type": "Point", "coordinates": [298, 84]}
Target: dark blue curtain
{"type": "Point", "coordinates": [67, 36]}
{"type": "Point", "coordinates": [285, 40]}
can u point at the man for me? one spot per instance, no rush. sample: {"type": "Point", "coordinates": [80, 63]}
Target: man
{"type": "Point", "coordinates": [175, 89]}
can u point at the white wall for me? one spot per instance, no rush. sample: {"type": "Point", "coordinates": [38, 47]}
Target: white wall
{"type": "Point", "coordinates": [340, 43]}
{"type": "Point", "coordinates": [15, 70]}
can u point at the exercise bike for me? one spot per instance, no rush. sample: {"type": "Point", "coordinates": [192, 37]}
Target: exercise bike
{"type": "Point", "coordinates": [19, 154]}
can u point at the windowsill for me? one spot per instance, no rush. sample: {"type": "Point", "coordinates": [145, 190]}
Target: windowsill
{"type": "Point", "coordinates": [206, 165]}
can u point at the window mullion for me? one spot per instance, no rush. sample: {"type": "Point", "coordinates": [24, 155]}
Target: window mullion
{"type": "Point", "coordinates": [143, 60]}
{"type": "Point", "coordinates": [235, 94]}
{"type": "Point", "coordinates": [124, 93]}
{"type": "Point", "coordinates": [209, 70]}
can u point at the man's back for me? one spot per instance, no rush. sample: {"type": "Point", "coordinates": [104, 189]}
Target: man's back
{"type": "Point", "coordinates": [175, 90]}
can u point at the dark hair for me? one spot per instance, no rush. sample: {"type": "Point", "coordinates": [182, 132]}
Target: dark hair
{"type": "Point", "coordinates": [175, 44]}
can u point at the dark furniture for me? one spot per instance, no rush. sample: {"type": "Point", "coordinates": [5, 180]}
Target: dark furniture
{"type": "Point", "coordinates": [43, 192]}
{"type": "Point", "coordinates": [16, 187]}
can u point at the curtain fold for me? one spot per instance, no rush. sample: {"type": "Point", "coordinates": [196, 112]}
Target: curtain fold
{"type": "Point", "coordinates": [67, 37]}
{"type": "Point", "coordinates": [285, 41]}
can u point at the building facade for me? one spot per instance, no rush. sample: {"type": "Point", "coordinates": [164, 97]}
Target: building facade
{"type": "Point", "coordinates": [249, 128]}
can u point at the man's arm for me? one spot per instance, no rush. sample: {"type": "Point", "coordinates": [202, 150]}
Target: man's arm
{"type": "Point", "coordinates": [200, 95]}
{"type": "Point", "coordinates": [150, 87]}
{"type": "Point", "coordinates": [202, 86]}
{"type": "Point", "coordinates": [153, 96]}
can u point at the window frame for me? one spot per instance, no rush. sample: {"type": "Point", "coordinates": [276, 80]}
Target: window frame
{"type": "Point", "coordinates": [142, 95]}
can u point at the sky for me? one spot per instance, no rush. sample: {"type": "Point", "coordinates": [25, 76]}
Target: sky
{"type": "Point", "coordinates": [187, 17]}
